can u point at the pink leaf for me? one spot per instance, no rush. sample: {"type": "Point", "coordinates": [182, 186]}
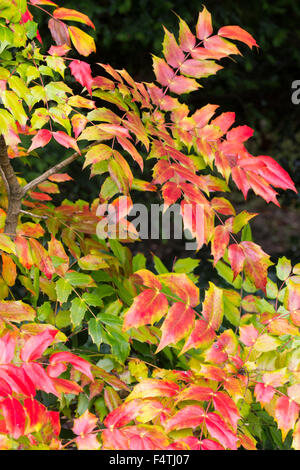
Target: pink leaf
{"type": "Point", "coordinates": [204, 25]}
{"type": "Point", "coordinates": [41, 139]}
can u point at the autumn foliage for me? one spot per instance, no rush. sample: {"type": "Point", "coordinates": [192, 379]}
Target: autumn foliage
{"type": "Point", "coordinates": [84, 324]}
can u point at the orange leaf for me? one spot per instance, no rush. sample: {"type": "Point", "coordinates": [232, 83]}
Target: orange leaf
{"type": "Point", "coordinates": [236, 32]}
{"type": "Point", "coordinates": [178, 323]}
{"type": "Point", "coordinates": [84, 43]}
{"type": "Point", "coordinates": [213, 308]}
{"type": "Point", "coordinates": [181, 285]}
{"type": "Point", "coordinates": [72, 15]}
{"type": "Point", "coordinates": [201, 336]}
{"type": "Point", "coordinates": [147, 308]}
{"type": "Point", "coordinates": [16, 311]}
{"type": "Point", "coordinates": [154, 388]}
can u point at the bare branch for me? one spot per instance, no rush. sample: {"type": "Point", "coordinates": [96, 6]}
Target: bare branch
{"type": "Point", "coordinates": [55, 169]}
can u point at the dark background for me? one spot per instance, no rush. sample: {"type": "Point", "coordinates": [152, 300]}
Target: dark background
{"type": "Point", "coordinates": [257, 86]}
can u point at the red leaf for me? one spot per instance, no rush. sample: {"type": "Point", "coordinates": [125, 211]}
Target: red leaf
{"type": "Point", "coordinates": [220, 242]}
{"type": "Point", "coordinates": [236, 32]}
{"type": "Point", "coordinates": [208, 444]}
{"type": "Point", "coordinates": [127, 145]}
{"type": "Point", "coordinates": [240, 133]}
{"type": "Point", "coordinates": [171, 192]}
{"type": "Point", "coordinates": [55, 248]}
{"type": "Point", "coordinates": [59, 50]}
{"type": "Point", "coordinates": [66, 141]}
{"type": "Point", "coordinates": [17, 379]}
{"type": "Point", "coordinates": [123, 414]}
{"type": "Point", "coordinates": [163, 72]}
{"type": "Point", "coordinates": [41, 139]}
{"type": "Point", "coordinates": [190, 416]}
{"type": "Point", "coordinates": [39, 377]}
{"type": "Point", "coordinates": [77, 362]}
{"type": "Point", "coordinates": [227, 408]}
{"type": "Point", "coordinates": [36, 345]}
{"type": "Point", "coordinates": [201, 337]}
{"type": "Point", "coordinates": [23, 252]}
{"type": "Point", "coordinates": [154, 388]}
{"type": "Point", "coordinates": [83, 74]}
{"type": "Point", "coordinates": [236, 258]}
{"type": "Point", "coordinates": [179, 321]}
{"type": "Point", "coordinates": [195, 392]}
{"type": "Point", "coordinates": [147, 308]}
{"type": "Point", "coordinates": [36, 414]}
{"type": "Point", "coordinates": [14, 416]}
{"type": "Point", "coordinates": [224, 121]}
{"type": "Point", "coordinates": [218, 429]}
{"type": "Point", "coordinates": [39, 196]}
{"type": "Point", "coordinates": [66, 386]}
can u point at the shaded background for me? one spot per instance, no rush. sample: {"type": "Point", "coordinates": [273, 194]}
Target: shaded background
{"type": "Point", "coordinates": [256, 86]}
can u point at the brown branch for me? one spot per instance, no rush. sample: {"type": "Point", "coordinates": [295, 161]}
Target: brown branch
{"type": "Point", "coordinates": [15, 192]}
{"type": "Point", "coordinates": [55, 169]}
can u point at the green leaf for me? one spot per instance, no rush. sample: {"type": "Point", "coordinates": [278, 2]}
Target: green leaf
{"type": "Point", "coordinates": [78, 309]}
{"type": "Point", "coordinates": [63, 290]}
{"type": "Point", "coordinates": [79, 279]}
{"type": "Point", "coordinates": [119, 345]}
{"type": "Point", "coordinates": [111, 320]}
{"type": "Point", "coordinates": [159, 266]}
{"type": "Point", "coordinates": [283, 268]}
{"type": "Point", "coordinates": [92, 299]}
{"type": "Point", "coordinates": [96, 331]}
{"type": "Point", "coordinates": [186, 265]}
{"type": "Point", "coordinates": [100, 408]}
{"type": "Point", "coordinates": [31, 29]}
{"type": "Point", "coordinates": [138, 262]}
{"type": "Point", "coordinates": [246, 234]}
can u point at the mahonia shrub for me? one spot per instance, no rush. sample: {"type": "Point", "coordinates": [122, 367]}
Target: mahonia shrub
{"type": "Point", "coordinates": [97, 350]}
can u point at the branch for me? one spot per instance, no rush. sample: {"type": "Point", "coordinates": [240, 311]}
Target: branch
{"type": "Point", "coordinates": [55, 169]}
{"type": "Point", "coordinates": [15, 192]}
